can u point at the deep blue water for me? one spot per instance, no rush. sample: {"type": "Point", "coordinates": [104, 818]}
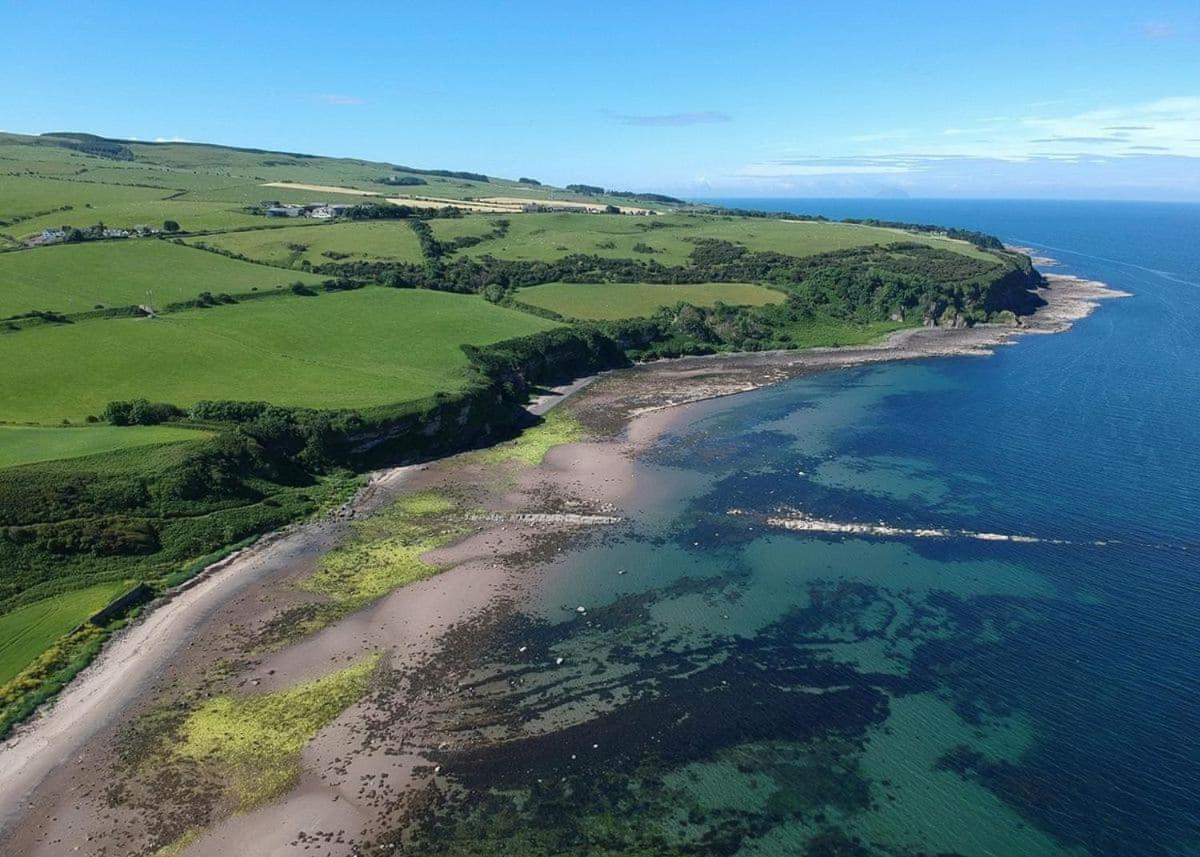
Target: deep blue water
{"type": "Point", "coordinates": [754, 690]}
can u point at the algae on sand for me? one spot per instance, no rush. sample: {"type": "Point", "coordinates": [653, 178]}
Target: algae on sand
{"type": "Point", "coordinates": [385, 550]}
{"type": "Point", "coordinates": [255, 742]}
{"type": "Point", "coordinates": [558, 427]}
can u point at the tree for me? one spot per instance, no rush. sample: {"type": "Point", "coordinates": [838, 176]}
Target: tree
{"type": "Point", "coordinates": [170, 226]}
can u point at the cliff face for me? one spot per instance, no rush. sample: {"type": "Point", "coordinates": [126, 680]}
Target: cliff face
{"type": "Point", "coordinates": [1015, 291]}
{"type": "Point", "coordinates": [1009, 288]}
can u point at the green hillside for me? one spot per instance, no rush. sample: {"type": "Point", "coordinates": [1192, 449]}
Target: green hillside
{"type": "Point", "coordinates": [630, 300]}
{"type": "Point", "coordinates": [73, 278]}
{"type": "Point", "coordinates": [352, 349]}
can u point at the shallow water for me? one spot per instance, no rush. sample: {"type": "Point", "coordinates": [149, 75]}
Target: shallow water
{"type": "Point", "coordinates": [734, 687]}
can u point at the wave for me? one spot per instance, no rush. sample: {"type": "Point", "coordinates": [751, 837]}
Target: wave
{"type": "Point", "coordinates": [800, 522]}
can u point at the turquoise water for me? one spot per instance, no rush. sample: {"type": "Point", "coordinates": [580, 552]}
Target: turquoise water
{"type": "Point", "coordinates": [737, 688]}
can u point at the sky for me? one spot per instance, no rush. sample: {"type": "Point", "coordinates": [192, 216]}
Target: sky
{"type": "Point", "coordinates": [1063, 99]}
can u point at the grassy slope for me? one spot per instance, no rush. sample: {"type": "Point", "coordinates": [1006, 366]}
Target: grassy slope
{"type": "Point", "coordinates": [29, 444]}
{"type": "Point", "coordinates": [372, 346]}
{"type": "Point", "coordinates": [75, 278]}
{"type": "Point", "coordinates": [27, 631]}
{"type": "Point", "coordinates": [631, 300]}
{"type": "Point", "coordinates": [545, 237]}
{"type": "Point", "coordinates": [377, 240]}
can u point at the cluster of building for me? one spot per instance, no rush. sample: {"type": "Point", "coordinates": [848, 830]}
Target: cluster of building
{"type": "Point", "coordinates": [90, 233]}
{"type": "Point", "coordinates": [316, 210]}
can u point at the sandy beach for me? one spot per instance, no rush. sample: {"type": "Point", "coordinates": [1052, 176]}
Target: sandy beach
{"type": "Point", "coordinates": [57, 772]}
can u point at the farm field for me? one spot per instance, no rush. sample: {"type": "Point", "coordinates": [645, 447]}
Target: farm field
{"type": "Point", "coordinates": [23, 197]}
{"type": "Point", "coordinates": [347, 349]}
{"type": "Point", "coordinates": [669, 239]}
{"type": "Point", "coordinates": [380, 240]}
{"type": "Point", "coordinates": [26, 631]}
{"type": "Point", "coordinates": [606, 301]}
{"type": "Point", "coordinates": [72, 278]}
{"type": "Point", "coordinates": [29, 444]}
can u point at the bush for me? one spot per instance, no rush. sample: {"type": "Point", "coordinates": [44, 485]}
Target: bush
{"type": "Point", "coordinates": [140, 412]}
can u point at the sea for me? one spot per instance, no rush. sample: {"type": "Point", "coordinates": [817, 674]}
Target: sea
{"type": "Point", "coordinates": [992, 648]}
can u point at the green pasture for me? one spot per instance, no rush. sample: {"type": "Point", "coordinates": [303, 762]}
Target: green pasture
{"type": "Point", "coordinates": [376, 240]}
{"type": "Point", "coordinates": [670, 238]}
{"type": "Point", "coordinates": [348, 349]}
{"type": "Point", "coordinates": [29, 444]}
{"type": "Point", "coordinates": [24, 195]}
{"type": "Point", "coordinates": [594, 301]}
{"type": "Point", "coordinates": [73, 278]}
{"type": "Point", "coordinates": [27, 631]}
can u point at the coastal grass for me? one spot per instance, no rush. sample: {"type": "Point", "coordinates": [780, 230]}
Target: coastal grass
{"type": "Point", "coordinates": [29, 444]}
{"type": "Point", "coordinates": [48, 674]}
{"type": "Point", "coordinates": [28, 631]}
{"type": "Point", "coordinates": [833, 333]}
{"type": "Point", "coordinates": [113, 494]}
{"type": "Point", "coordinates": [372, 346]}
{"type": "Point", "coordinates": [372, 241]}
{"type": "Point", "coordinates": [559, 426]}
{"type": "Point", "coordinates": [610, 301]}
{"type": "Point", "coordinates": [75, 278]}
{"type": "Point", "coordinates": [252, 744]}
{"type": "Point", "coordinates": [71, 587]}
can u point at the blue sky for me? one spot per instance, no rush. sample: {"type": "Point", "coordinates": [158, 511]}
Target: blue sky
{"type": "Point", "coordinates": [1058, 99]}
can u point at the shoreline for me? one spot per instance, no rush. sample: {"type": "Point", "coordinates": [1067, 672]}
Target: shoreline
{"type": "Point", "coordinates": [627, 409]}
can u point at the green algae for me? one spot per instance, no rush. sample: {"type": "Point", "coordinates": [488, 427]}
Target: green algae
{"type": "Point", "coordinates": [180, 845]}
{"type": "Point", "coordinates": [383, 553]}
{"type": "Point", "coordinates": [253, 743]}
{"type": "Point", "coordinates": [557, 427]}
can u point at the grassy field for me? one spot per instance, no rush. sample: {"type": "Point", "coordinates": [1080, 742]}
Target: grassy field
{"type": "Point", "coordinates": [71, 278]}
{"type": "Point", "coordinates": [27, 631]}
{"type": "Point", "coordinates": [28, 444]}
{"type": "Point", "coordinates": [291, 245]}
{"type": "Point", "coordinates": [545, 237]}
{"type": "Point", "coordinates": [632, 300]}
{"type": "Point", "coordinates": [368, 347]}
{"type": "Point", "coordinates": [24, 196]}
{"type": "Point", "coordinates": [831, 333]}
